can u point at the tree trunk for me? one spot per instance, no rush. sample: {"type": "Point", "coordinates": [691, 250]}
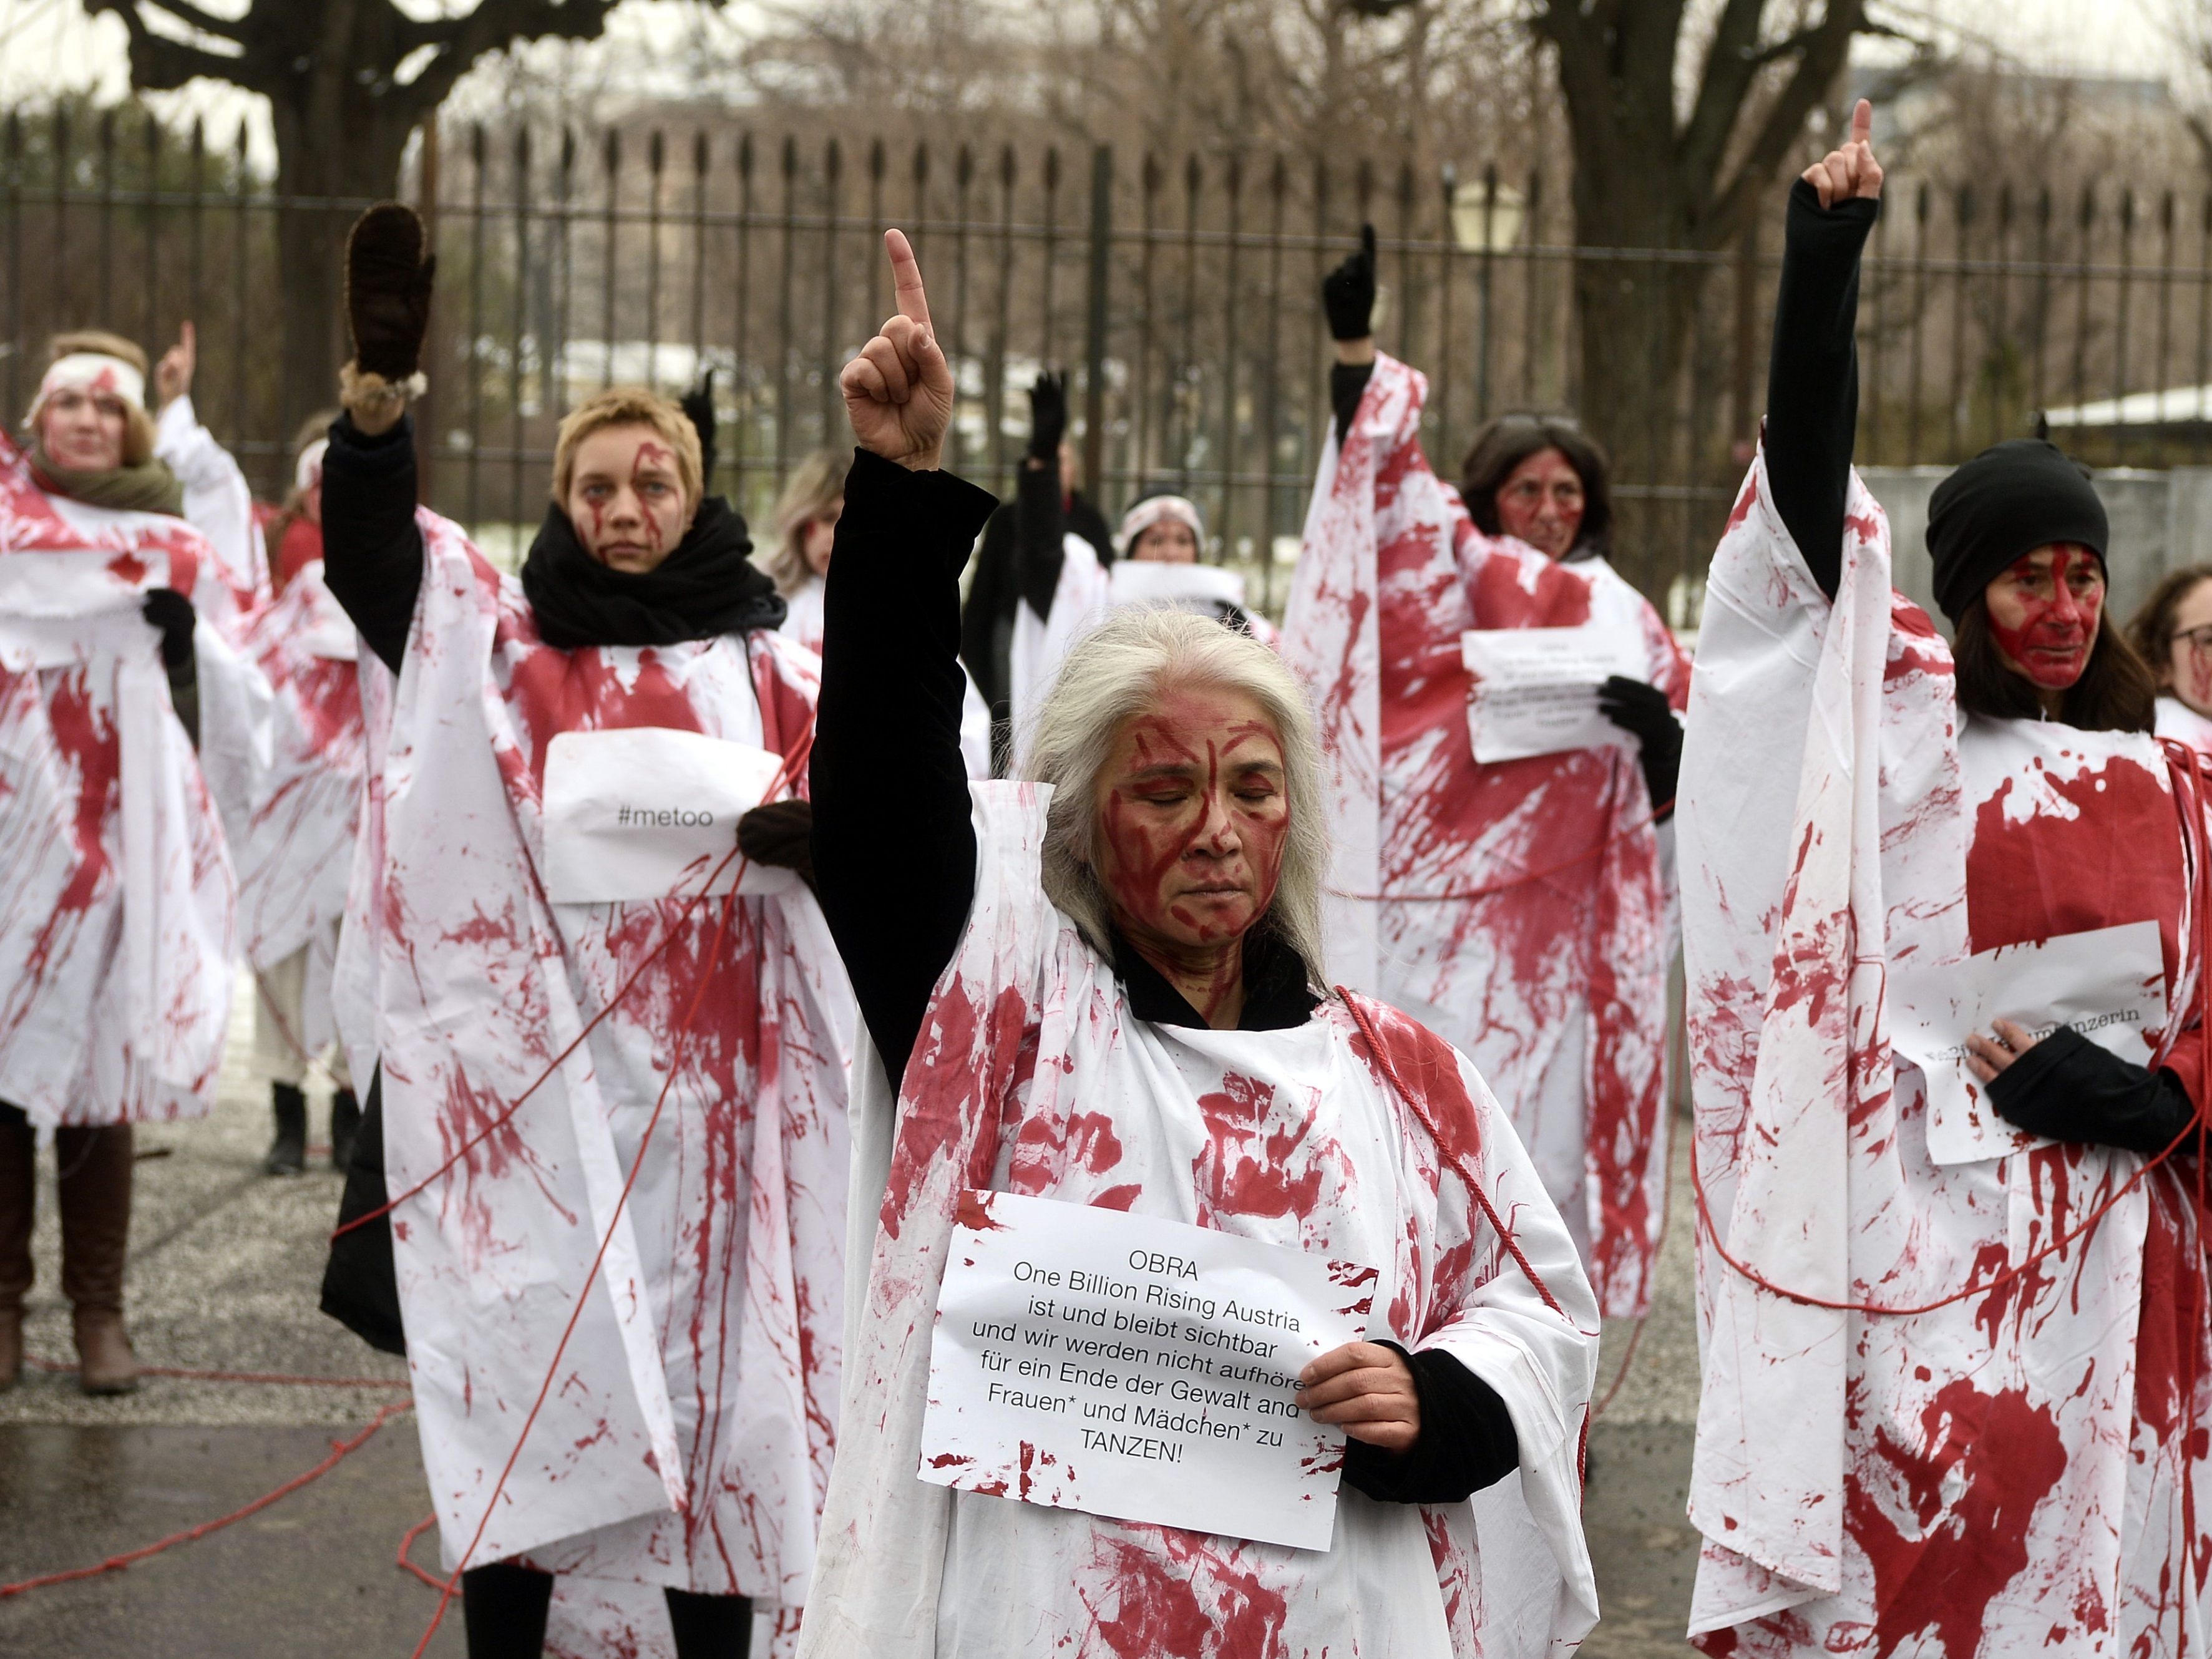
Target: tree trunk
{"type": "Point", "coordinates": [335, 153]}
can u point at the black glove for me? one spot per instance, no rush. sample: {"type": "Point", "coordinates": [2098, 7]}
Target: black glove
{"type": "Point", "coordinates": [1348, 294]}
{"type": "Point", "coordinates": [1048, 416]}
{"type": "Point", "coordinates": [699, 409]}
{"type": "Point", "coordinates": [387, 290]}
{"type": "Point", "coordinates": [173, 614]}
{"type": "Point", "coordinates": [2067, 1088]}
{"type": "Point", "coordinates": [1644, 711]}
{"type": "Point", "coordinates": [781, 833]}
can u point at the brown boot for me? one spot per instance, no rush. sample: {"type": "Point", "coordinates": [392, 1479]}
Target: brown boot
{"type": "Point", "coordinates": [95, 1210]}
{"type": "Point", "coordinates": [18, 1189]}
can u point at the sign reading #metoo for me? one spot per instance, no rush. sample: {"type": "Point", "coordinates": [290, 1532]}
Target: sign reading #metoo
{"type": "Point", "coordinates": [648, 812]}
{"type": "Point", "coordinates": [1141, 1369]}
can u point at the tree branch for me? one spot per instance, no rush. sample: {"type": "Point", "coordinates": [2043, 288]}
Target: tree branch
{"type": "Point", "coordinates": [493, 24]}
{"type": "Point", "coordinates": [1818, 61]}
{"type": "Point", "coordinates": [192, 16]}
{"type": "Point", "coordinates": [161, 64]}
{"type": "Point", "coordinates": [1732, 69]}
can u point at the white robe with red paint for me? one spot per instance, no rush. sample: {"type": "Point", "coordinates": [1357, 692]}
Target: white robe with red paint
{"type": "Point", "coordinates": [295, 857]}
{"type": "Point", "coordinates": [1033, 1076]}
{"type": "Point", "coordinates": [686, 1440]}
{"type": "Point", "coordinates": [116, 899]}
{"type": "Point", "coordinates": [1521, 908]}
{"type": "Point", "coordinates": [2002, 1475]}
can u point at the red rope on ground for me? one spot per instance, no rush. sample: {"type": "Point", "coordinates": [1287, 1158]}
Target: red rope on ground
{"type": "Point", "coordinates": [57, 1368]}
{"type": "Point", "coordinates": [340, 1451]}
{"type": "Point", "coordinates": [405, 1561]}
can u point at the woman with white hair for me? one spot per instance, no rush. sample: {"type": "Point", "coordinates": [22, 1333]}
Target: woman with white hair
{"type": "Point", "coordinates": [1103, 984]}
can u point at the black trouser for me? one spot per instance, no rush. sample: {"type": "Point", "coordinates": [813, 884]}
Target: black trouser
{"type": "Point", "coordinates": [505, 1606]}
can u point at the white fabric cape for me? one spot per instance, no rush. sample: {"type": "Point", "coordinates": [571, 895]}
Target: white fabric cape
{"type": "Point", "coordinates": [2178, 720]}
{"type": "Point", "coordinates": [687, 1440]}
{"type": "Point", "coordinates": [219, 504]}
{"type": "Point", "coordinates": [1031, 1076]}
{"type": "Point", "coordinates": [1521, 909]}
{"type": "Point", "coordinates": [1080, 604]}
{"type": "Point", "coordinates": [2001, 1474]}
{"type": "Point", "coordinates": [117, 905]}
{"type": "Point", "coordinates": [295, 857]}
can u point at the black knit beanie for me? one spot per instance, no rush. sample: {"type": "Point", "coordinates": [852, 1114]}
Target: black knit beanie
{"type": "Point", "coordinates": [2008, 500]}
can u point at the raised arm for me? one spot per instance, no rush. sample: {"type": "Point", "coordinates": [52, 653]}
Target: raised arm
{"type": "Point", "coordinates": [1813, 376]}
{"type": "Point", "coordinates": [894, 844]}
{"type": "Point", "coordinates": [372, 546]}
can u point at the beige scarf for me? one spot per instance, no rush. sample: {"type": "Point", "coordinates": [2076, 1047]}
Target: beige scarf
{"type": "Point", "coordinates": [147, 488]}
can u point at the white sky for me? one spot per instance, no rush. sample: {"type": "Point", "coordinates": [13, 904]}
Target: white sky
{"type": "Point", "coordinates": [47, 45]}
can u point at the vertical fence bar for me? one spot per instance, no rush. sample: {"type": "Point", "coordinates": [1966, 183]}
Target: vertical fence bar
{"type": "Point", "coordinates": [1271, 400]}
{"type": "Point", "coordinates": [1447, 351]}
{"type": "Point", "coordinates": [656, 160]}
{"type": "Point", "coordinates": [1184, 430]}
{"type": "Point", "coordinates": [61, 173]}
{"type": "Point", "coordinates": [699, 159]}
{"type": "Point", "coordinates": [2165, 316]}
{"type": "Point", "coordinates": [2203, 328]}
{"type": "Point", "coordinates": [149, 228]}
{"type": "Point", "coordinates": [832, 207]}
{"type": "Point", "coordinates": [747, 376]}
{"type": "Point", "coordinates": [474, 355]}
{"type": "Point", "coordinates": [519, 314]}
{"type": "Point", "coordinates": [1405, 193]}
{"type": "Point", "coordinates": [14, 201]}
{"type": "Point", "coordinates": [1142, 437]}
{"type": "Point", "coordinates": [1486, 333]}
{"type": "Point", "coordinates": [108, 317]}
{"type": "Point", "coordinates": [2000, 372]}
{"type": "Point", "coordinates": [609, 266]}
{"type": "Point", "coordinates": [1317, 398]}
{"type": "Point", "coordinates": [1233, 181]}
{"type": "Point", "coordinates": [195, 211]}
{"type": "Point", "coordinates": [1962, 221]}
{"type": "Point", "coordinates": [1094, 322]}
{"type": "Point", "coordinates": [2085, 223]}
{"type": "Point", "coordinates": [2124, 283]}
{"type": "Point", "coordinates": [241, 185]}
{"type": "Point", "coordinates": [994, 393]}
{"type": "Point", "coordinates": [1048, 256]}
{"type": "Point", "coordinates": [557, 360]}
{"type": "Point", "coordinates": [1919, 318]}
{"type": "Point", "coordinates": [1532, 272]}
{"type": "Point", "coordinates": [963, 181]}
{"type": "Point", "coordinates": [1876, 291]}
{"type": "Point", "coordinates": [785, 335]}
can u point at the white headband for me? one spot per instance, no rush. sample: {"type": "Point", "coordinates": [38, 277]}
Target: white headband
{"type": "Point", "coordinates": [309, 471]}
{"type": "Point", "coordinates": [94, 371]}
{"type": "Point", "coordinates": [1152, 510]}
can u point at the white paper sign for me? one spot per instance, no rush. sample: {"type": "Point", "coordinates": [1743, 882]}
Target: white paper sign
{"type": "Point", "coordinates": [1141, 1369]}
{"type": "Point", "coordinates": [2108, 984]}
{"type": "Point", "coordinates": [646, 812]}
{"type": "Point", "coordinates": [1192, 587]}
{"type": "Point", "coordinates": [1535, 689]}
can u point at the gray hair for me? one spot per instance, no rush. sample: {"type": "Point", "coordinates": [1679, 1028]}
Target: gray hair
{"type": "Point", "coordinates": [1115, 673]}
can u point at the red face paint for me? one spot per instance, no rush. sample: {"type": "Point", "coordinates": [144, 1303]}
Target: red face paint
{"type": "Point", "coordinates": [1192, 822]}
{"type": "Point", "coordinates": [2043, 613]}
{"type": "Point", "coordinates": [626, 499]}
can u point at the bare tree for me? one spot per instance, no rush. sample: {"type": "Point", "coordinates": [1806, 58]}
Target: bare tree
{"type": "Point", "coordinates": [347, 82]}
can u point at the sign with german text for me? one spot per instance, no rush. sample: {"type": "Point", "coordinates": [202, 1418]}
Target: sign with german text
{"type": "Point", "coordinates": [1133, 1367]}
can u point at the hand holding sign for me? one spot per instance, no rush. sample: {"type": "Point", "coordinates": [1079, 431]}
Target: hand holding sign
{"type": "Point", "coordinates": [898, 391]}
{"type": "Point", "coordinates": [1367, 1390]}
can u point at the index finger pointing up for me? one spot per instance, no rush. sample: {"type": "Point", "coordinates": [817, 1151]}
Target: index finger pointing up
{"type": "Point", "coordinates": [1862, 121]}
{"type": "Point", "coordinates": [906, 278]}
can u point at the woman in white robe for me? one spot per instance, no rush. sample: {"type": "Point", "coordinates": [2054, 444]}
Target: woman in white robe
{"type": "Point", "coordinates": [1104, 987]}
{"type": "Point", "coordinates": [2172, 633]}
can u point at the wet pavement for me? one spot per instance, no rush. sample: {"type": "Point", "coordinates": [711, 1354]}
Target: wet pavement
{"type": "Point", "coordinates": [225, 1266]}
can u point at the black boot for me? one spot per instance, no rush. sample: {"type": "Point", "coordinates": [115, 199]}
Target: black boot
{"type": "Point", "coordinates": [288, 1153]}
{"type": "Point", "coordinates": [345, 1119]}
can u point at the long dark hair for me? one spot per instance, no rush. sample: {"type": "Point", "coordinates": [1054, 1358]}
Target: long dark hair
{"type": "Point", "coordinates": [2116, 692]}
{"type": "Point", "coordinates": [2151, 630]}
{"type": "Point", "coordinates": [1509, 439]}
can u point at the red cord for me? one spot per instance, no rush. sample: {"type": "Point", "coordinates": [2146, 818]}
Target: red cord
{"type": "Point", "coordinates": [1467, 1177]}
{"type": "Point", "coordinates": [405, 1561]}
{"type": "Point", "coordinates": [340, 1451]}
{"type": "Point", "coordinates": [583, 1296]}
{"type": "Point", "coordinates": [787, 772]}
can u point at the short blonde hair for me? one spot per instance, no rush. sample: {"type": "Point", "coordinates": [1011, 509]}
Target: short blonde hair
{"type": "Point", "coordinates": [818, 482]}
{"type": "Point", "coordinates": [1115, 673]}
{"type": "Point", "coordinates": [630, 405]}
{"type": "Point", "coordinates": [137, 422]}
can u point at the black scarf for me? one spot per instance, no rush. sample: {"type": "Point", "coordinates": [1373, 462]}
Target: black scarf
{"type": "Point", "coordinates": [705, 588]}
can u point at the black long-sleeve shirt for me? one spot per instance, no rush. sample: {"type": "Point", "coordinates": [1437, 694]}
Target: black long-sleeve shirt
{"type": "Point", "coordinates": [895, 867]}
{"type": "Point", "coordinates": [372, 546]}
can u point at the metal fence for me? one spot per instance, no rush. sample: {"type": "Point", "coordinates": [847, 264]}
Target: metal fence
{"type": "Point", "coordinates": [1182, 296]}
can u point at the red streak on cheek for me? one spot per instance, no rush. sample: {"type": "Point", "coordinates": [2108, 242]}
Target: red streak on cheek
{"type": "Point", "coordinates": [2051, 639]}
